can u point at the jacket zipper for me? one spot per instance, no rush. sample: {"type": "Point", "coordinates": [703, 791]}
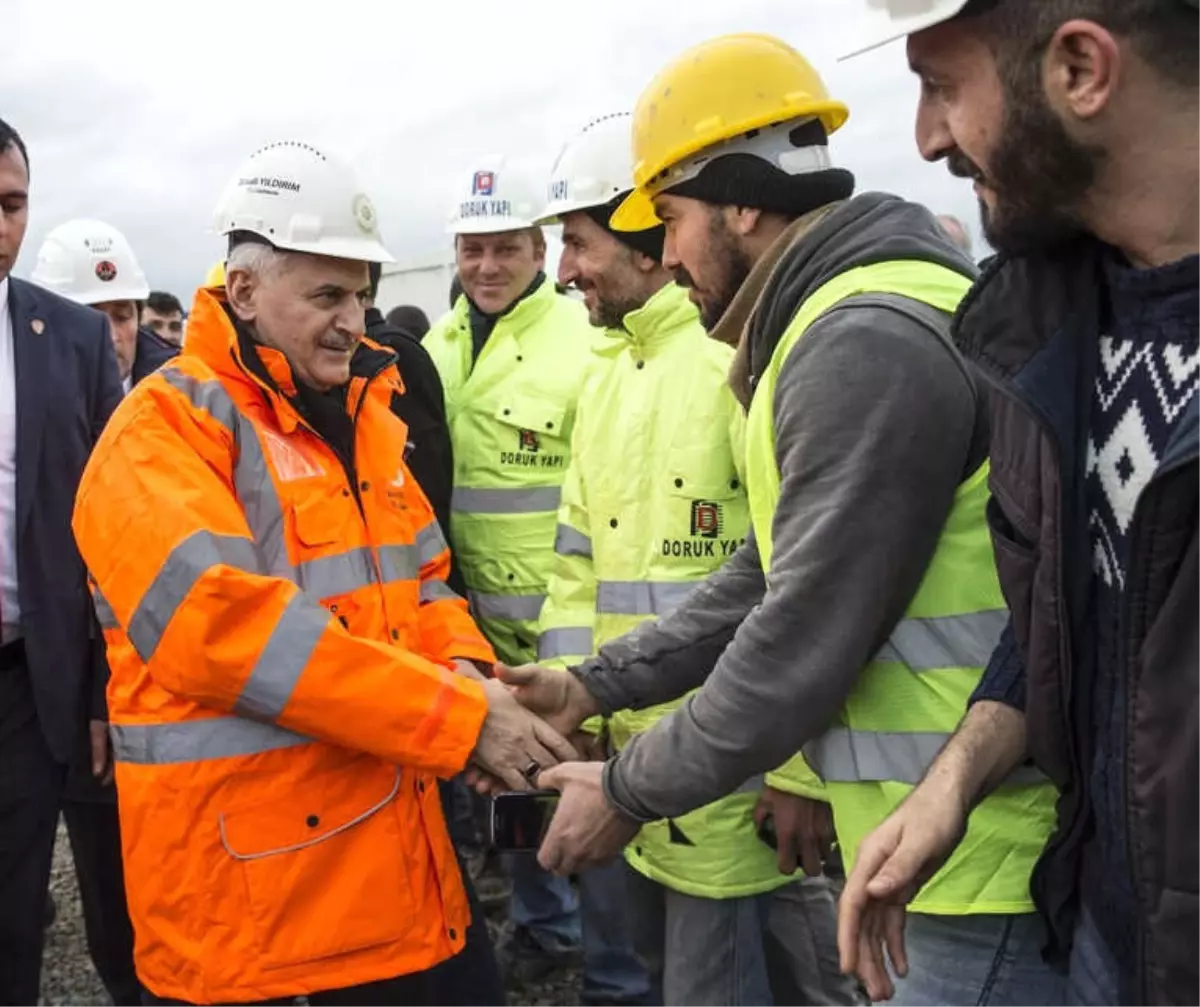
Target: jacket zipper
{"type": "Point", "coordinates": [1143, 977]}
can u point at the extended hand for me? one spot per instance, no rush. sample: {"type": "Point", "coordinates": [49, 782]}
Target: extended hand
{"type": "Point", "coordinates": [557, 697]}
{"type": "Point", "coordinates": [513, 744]}
{"type": "Point", "coordinates": [586, 831]}
{"type": "Point", "coordinates": [893, 864]}
{"type": "Point", "coordinates": [803, 827]}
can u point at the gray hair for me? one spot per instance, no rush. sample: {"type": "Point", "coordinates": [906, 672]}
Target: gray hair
{"type": "Point", "coordinates": [254, 257]}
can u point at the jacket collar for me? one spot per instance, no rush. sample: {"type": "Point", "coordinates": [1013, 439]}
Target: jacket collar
{"type": "Point", "coordinates": [655, 323]}
{"type": "Point", "coordinates": [523, 315]}
{"type": "Point", "coordinates": [734, 326]}
{"type": "Point", "coordinates": [216, 340]}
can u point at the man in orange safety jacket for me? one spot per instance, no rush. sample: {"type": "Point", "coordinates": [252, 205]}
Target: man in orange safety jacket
{"type": "Point", "coordinates": [289, 670]}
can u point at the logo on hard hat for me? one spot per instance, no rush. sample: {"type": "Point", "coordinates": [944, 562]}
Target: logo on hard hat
{"type": "Point", "coordinates": [364, 213]}
{"type": "Point", "coordinates": [106, 270]}
{"type": "Point", "coordinates": [484, 183]}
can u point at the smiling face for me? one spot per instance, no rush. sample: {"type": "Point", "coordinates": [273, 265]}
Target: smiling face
{"type": "Point", "coordinates": [308, 307]}
{"type": "Point", "coordinates": [994, 125]}
{"type": "Point", "coordinates": [603, 269]}
{"type": "Point", "coordinates": [703, 253]}
{"type": "Point", "coordinates": [496, 269]}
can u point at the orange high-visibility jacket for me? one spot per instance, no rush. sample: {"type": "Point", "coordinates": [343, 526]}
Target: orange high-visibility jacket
{"type": "Point", "coordinates": [280, 700]}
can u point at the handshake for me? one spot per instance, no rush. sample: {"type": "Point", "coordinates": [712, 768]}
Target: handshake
{"type": "Point", "coordinates": [532, 711]}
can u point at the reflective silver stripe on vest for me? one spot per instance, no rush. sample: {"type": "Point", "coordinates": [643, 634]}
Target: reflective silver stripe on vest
{"type": "Point", "coordinates": [210, 396]}
{"type": "Point", "coordinates": [398, 563]}
{"type": "Point", "coordinates": [437, 590]}
{"type": "Point", "coordinates": [430, 543]}
{"type": "Point", "coordinates": [330, 576]}
{"type": "Point", "coordinates": [569, 542]}
{"type": "Point", "coordinates": [641, 597]}
{"type": "Point", "coordinates": [198, 740]}
{"type": "Point", "coordinates": [282, 661]}
{"type": "Point", "coordinates": [566, 641]}
{"type": "Point", "coordinates": [104, 612]}
{"type": "Point", "coordinates": [518, 607]}
{"type": "Point", "coordinates": [843, 755]}
{"type": "Point", "coordinates": [521, 500]}
{"type": "Point", "coordinates": [948, 641]}
{"type": "Point", "coordinates": [186, 564]}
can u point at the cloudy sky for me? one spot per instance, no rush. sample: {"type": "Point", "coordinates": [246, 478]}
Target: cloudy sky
{"type": "Point", "coordinates": [136, 112]}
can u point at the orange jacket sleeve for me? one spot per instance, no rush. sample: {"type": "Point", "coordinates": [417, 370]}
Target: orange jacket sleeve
{"type": "Point", "coordinates": [168, 545]}
{"type": "Point", "coordinates": [447, 630]}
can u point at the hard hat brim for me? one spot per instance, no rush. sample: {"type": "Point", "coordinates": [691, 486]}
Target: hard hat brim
{"type": "Point", "coordinates": [902, 26]}
{"type": "Point", "coordinates": [636, 213]}
{"type": "Point", "coordinates": [136, 292]}
{"type": "Point", "coordinates": [491, 226]}
{"type": "Point", "coordinates": [355, 249]}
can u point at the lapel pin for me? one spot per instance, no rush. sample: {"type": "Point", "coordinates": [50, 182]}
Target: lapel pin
{"type": "Point", "coordinates": [38, 326]}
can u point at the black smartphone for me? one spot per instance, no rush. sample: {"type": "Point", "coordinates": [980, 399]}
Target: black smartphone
{"type": "Point", "coordinates": [767, 833]}
{"type": "Point", "coordinates": [520, 819]}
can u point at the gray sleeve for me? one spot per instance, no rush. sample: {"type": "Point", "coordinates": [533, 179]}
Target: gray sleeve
{"type": "Point", "coordinates": [666, 658]}
{"type": "Point", "coordinates": [874, 417]}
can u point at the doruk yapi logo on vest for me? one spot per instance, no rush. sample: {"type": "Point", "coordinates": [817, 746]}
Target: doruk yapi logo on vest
{"type": "Point", "coordinates": [529, 453]}
{"type": "Point", "coordinates": [707, 522]}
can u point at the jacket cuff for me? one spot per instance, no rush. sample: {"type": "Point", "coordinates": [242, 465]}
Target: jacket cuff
{"type": "Point", "coordinates": [1003, 680]}
{"type": "Point", "coordinates": [603, 683]}
{"type": "Point", "coordinates": [616, 790]}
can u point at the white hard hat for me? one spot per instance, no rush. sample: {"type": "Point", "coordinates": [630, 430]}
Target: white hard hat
{"type": "Point", "coordinates": [593, 168]}
{"type": "Point", "coordinates": [301, 199]}
{"type": "Point", "coordinates": [894, 19]}
{"type": "Point", "coordinates": [90, 262]}
{"type": "Point", "coordinates": [492, 198]}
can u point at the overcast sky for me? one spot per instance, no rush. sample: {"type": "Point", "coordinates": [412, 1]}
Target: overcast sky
{"type": "Point", "coordinates": [129, 120]}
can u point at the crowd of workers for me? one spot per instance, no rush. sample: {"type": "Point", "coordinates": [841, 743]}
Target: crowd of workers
{"type": "Point", "coordinates": [794, 546]}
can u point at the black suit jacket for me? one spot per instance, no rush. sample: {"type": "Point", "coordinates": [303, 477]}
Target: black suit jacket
{"type": "Point", "coordinates": [67, 386]}
{"type": "Point", "coordinates": [152, 352]}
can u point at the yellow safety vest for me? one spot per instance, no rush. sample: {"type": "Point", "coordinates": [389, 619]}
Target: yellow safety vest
{"type": "Point", "coordinates": [511, 413]}
{"type": "Point", "coordinates": [911, 696]}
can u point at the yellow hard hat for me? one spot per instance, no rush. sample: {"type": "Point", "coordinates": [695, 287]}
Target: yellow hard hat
{"type": "Point", "coordinates": [215, 277]}
{"type": "Point", "coordinates": [715, 91]}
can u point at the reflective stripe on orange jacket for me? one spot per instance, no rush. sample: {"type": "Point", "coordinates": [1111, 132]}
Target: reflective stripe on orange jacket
{"type": "Point", "coordinates": [280, 699]}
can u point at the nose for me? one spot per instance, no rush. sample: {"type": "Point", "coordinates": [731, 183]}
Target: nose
{"type": "Point", "coordinates": [351, 318]}
{"type": "Point", "coordinates": [934, 137]}
{"type": "Point", "coordinates": [670, 259]}
{"type": "Point", "coordinates": [568, 268]}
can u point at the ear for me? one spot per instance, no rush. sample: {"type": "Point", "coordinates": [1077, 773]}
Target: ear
{"type": "Point", "coordinates": [241, 288]}
{"type": "Point", "coordinates": [644, 264]}
{"type": "Point", "coordinates": [742, 220]}
{"type": "Point", "coordinates": [1082, 68]}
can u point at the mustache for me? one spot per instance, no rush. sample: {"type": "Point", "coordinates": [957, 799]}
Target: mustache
{"type": "Point", "coordinates": [962, 166]}
{"type": "Point", "coordinates": [336, 341]}
{"type": "Point", "coordinates": [683, 277]}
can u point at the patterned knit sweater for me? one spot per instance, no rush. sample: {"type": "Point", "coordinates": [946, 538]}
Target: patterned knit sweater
{"type": "Point", "coordinates": [1146, 377]}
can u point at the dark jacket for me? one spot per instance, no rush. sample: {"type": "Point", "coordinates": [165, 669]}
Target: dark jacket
{"type": "Point", "coordinates": [152, 352]}
{"type": "Point", "coordinates": [1032, 326]}
{"type": "Point", "coordinates": [67, 387]}
{"type": "Point", "coordinates": [422, 407]}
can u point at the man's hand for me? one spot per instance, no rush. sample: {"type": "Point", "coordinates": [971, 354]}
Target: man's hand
{"type": "Point", "coordinates": [102, 764]}
{"type": "Point", "coordinates": [894, 862]}
{"type": "Point", "coordinates": [586, 830]}
{"type": "Point", "coordinates": [514, 745]}
{"type": "Point", "coordinates": [558, 697]}
{"type": "Point", "coordinates": [804, 829]}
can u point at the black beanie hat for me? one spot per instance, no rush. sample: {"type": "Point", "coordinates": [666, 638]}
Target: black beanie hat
{"type": "Point", "coordinates": [648, 242]}
{"type": "Point", "coordinates": [746, 180]}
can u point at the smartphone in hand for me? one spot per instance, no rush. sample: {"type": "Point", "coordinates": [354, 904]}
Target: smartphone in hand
{"type": "Point", "coordinates": [520, 819]}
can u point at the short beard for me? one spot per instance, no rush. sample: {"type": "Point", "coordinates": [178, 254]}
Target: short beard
{"type": "Point", "coordinates": [610, 313]}
{"type": "Point", "coordinates": [729, 266]}
{"type": "Point", "coordinates": [1039, 174]}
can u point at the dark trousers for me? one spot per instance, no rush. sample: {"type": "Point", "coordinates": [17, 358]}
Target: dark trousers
{"type": "Point", "coordinates": [403, 990]}
{"type": "Point", "coordinates": [31, 788]}
{"type": "Point", "coordinates": [472, 976]}
{"type": "Point", "coordinates": [96, 848]}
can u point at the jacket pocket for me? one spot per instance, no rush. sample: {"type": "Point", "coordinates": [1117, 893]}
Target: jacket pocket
{"type": "Point", "coordinates": [324, 875]}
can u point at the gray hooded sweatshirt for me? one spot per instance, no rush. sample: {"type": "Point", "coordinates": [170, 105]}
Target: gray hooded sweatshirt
{"type": "Point", "coordinates": [877, 422]}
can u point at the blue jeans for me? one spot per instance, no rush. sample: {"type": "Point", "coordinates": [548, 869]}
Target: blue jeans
{"type": "Point", "coordinates": [758, 949]}
{"type": "Point", "coordinates": [546, 907]}
{"type": "Point", "coordinates": [955, 960]}
{"type": "Point", "coordinates": [1094, 980]}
